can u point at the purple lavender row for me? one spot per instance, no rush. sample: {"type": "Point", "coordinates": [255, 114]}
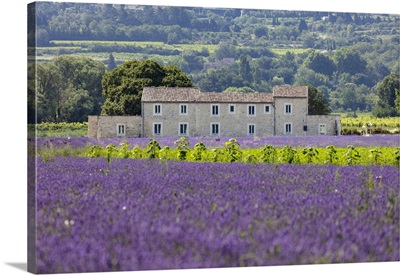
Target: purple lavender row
{"type": "Point", "coordinates": [245, 142]}
{"type": "Point", "coordinates": [145, 215]}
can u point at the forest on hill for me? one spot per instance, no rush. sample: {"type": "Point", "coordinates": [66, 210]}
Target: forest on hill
{"type": "Point", "coordinates": [343, 55]}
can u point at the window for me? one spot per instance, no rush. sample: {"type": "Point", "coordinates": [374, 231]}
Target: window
{"type": "Point", "coordinates": [183, 109]}
{"type": "Point", "coordinates": [121, 130]}
{"type": "Point", "coordinates": [288, 108]}
{"type": "Point", "coordinates": [183, 129]}
{"type": "Point", "coordinates": [288, 128]}
{"type": "Point", "coordinates": [157, 128]}
{"type": "Point", "coordinates": [157, 110]}
{"type": "Point", "coordinates": [232, 109]}
{"type": "Point", "coordinates": [322, 129]}
{"type": "Point", "coordinates": [251, 110]}
{"type": "Point", "coordinates": [267, 109]}
{"type": "Point", "coordinates": [251, 129]}
{"type": "Point", "coordinates": [214, 129]}
{"type": "Point", "coordinates": [215, 110]}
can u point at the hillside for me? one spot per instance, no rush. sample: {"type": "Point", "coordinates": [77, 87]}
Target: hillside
{"type": "Point", "coordinates": [345, 55]}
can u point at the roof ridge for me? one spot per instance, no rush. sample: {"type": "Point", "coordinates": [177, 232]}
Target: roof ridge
{"type": "Point", "coordinates": [194, 94]}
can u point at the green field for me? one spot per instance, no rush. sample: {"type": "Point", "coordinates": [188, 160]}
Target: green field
{"type": "Point", "coordinates": [62, 129]}
{"type": "Point", "coordinates": [88, 48]}
{"type": "Point", "coordinates": [365, 119]}
{"type": "Point", "coordinates": [283, 51]}
{"type": "Point", "coordinates": [86, 43]}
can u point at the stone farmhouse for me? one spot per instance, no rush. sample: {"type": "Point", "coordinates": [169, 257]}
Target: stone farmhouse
{"type": "Point", "coordinates": [175, 112]}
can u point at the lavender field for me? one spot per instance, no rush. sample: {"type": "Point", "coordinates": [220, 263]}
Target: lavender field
{"type": "Point", "coordinates": [138, 214]}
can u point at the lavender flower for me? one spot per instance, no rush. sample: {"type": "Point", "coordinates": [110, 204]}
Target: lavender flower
{"type": "Point", "coordinates": [145, 214]}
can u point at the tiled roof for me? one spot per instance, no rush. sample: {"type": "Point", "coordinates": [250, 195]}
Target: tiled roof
{"type": "Point", "coordinates": [175, 94]}
{"type": "Point", "coordinates": [290, 91]}
{"type": "Point", "coordinates": [180, 94]}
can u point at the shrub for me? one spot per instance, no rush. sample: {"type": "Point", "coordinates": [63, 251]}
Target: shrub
{"type": "Point", "coordinates": [350, 131]}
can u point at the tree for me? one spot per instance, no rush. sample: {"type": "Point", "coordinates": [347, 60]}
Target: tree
{"type": "Point", "coordinates": [42, 38]}
{"type": "Point", "coordinates": [194, 60]}
{"type": "Point", "coordinates": [348, 60]}
{"type": "Point", "coordinates": [245, 69]}
{"type": "Point", "coordinates": [387, 91]}
{"type": "Point", "coordinates": [320, 63]}
{"type": "Point", "coordinates": [174, 77]}
{"type": "Point", "coordinates": [69, 89]}
{"type": "Point", "coordinates": [220, 79]}
{"type": "Point", "coordinates": [123, 86]}
{"type": "Point", "coordinates": [264, 66]}
{"type": "Point", "coordinates": [317, 103]}
{"type": "Point", "coordinates": [225, 50]}
{"type": "Point", "coordinates": [239, 90]}
{"type": "Point", "coordinates": [78, 104]}
{"type": "Point", "coordinates": [397, 101]}
{"type": "Point", "coordinates": [50, 93]}
{"type": "Point", "coordinates": [111, 65]}
{"type": "Point", "coordinates": [302, 25]}
{"type": "Point", "coordinates": [351, 97]}
{"type": "Point", "coordinates": [306, 76]}
{"type": "Point", "coordinates": [309, 40]}
{"type": "Point", "coordinates": [377, 71]}
{"type": "Point", "coordinates": [83, 73]}
{"type": "Point", "coordinates": [260, 31]}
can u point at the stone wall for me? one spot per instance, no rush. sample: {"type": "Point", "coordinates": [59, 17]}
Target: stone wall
{"type": "Point", "coordinates": [92, 126]}
{"type": "Point", "coordinates": [169, 118]}
{"type": "Point", "coordinates": [332, 123]}
{"type": "Point", "coordinates": [297, 118]}
{"type": "Point", "coordinates": [234, 124]}
{"type": "Point", "coordinates": [199, 119]}
{"type": "Point", "coordinates": [107, 126]}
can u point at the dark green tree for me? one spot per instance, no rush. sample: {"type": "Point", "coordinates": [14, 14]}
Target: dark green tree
{"type": "Point", "coordinates": [174, 77]}
{"type": "Point", "coordinates": [42, 38]}
{"type": "Point", "coordinates": [348, 60]}
{"type": "Point", "coordinates": [109, 12]}
{"type": "Point", "coordinates": [302, 25]}
{"type": "Point", "coordinates": [123, 86]}
{"type": "Point", "coordinates": [69, 89]}
{"type": "Point", "coordinates": [351, 98]}
{"type": "Point", "coordinates": [77, 105]}
{"type": "Point", "coordinates": [111, 65]}
{"type": "Point", "coordinates": [306, 76]}
{"type": "Point", "coordinates": [83, 73]}
{"type": "Point", "coordinates": [320, 63]}
{"type": "Point", "coordinates": [261, 31]}
{"type": "Point", "coordinates": [317, 103]}
{"type": "Point", "coordinates": [245, 69]}
{"type": "Point", "coordinates": [264, 66]}
{"type": "Point", "coordinates": [220, 79]}
{"type": "Point", "coordinates": [309, 40]}
{"type": "Point", "coordinates": [194, 60]}
{"type": "Point", "coordinates": [50, 92]}
{"type": "Point", "coordinates": [225, 50]}
{"type": "Point", "coordinates": [387, 91]}
{"type": "Point", "coordinates": [397, 101]}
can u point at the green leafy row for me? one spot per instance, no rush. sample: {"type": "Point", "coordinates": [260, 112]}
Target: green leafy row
{"type": "Point", "coordinates": [232, 152]}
